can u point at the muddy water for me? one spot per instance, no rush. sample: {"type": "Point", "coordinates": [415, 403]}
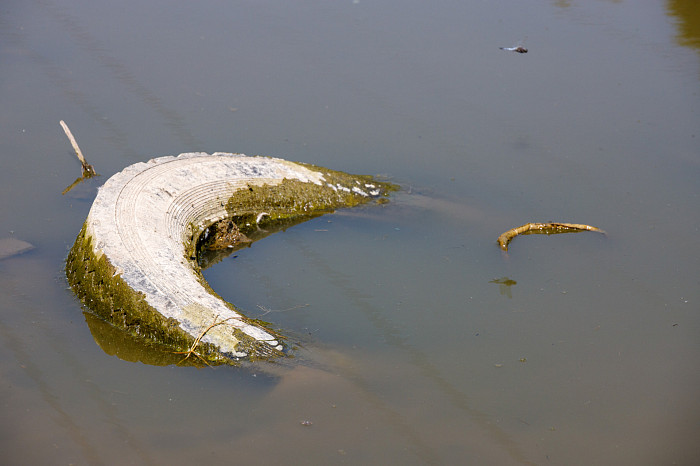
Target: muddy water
{"type": "Point", "coordinates": [419, 342]}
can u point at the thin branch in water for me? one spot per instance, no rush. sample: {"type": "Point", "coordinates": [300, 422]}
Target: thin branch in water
{"type": "Point", "coordinates": [197, 340]}
{"type": "Point", "coordinates": [266, 310]}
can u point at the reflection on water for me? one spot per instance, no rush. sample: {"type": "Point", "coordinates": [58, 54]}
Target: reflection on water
{"type": "Point", "coordinates": [504, 286]}
{"type": "Point", "coordinates": [116, 342]}
{"type": "Point", "coordinates": [406, 353]}
{"type": "Point", "coordinates": [688, 22]}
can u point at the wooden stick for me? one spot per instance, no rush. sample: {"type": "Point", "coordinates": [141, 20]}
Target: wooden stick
{"type": "Point", "coordinates": [88, 170]}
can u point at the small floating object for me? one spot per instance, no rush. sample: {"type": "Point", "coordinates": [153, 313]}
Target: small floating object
{"type": "Point", "coordinates": [518, 49]}
{"type": "Point", "coordinates": [543, 228]}
{"type": "Point", "coordinates": [12, 246]}
{"type": "Point", "coordinates": [134, 263]}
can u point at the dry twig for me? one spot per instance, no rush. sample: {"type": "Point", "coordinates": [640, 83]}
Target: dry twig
{"type": "Point", "coordinates": [197, 340]}
{"type": "Point", "coordinates": [87, 169]}
{"type": "Point", "coordinates": [266, 310]}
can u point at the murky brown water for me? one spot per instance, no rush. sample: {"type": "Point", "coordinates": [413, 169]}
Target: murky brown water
{"type": "Point", "coordinates": [422, 343]}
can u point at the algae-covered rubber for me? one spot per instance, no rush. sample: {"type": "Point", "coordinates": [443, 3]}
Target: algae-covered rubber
{"type": "Point", "coordinates": [134, 265]}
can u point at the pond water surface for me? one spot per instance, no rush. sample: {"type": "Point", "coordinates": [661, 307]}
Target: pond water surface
{"type": "Point", "coordinates": [420, 341]}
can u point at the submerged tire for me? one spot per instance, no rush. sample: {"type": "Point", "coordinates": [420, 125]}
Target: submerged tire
{"type": "Point", "coordinates": [133, 262]}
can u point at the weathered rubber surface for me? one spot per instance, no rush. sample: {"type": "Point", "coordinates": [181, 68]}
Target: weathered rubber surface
{"type": "Point", "coordinates": [142, 225]}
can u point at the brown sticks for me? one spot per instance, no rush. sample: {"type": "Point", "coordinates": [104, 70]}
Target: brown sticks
{"type": "Point", "coordinates": [543, 228]}
{"type": "Point", "coordinates": [191, 351]}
